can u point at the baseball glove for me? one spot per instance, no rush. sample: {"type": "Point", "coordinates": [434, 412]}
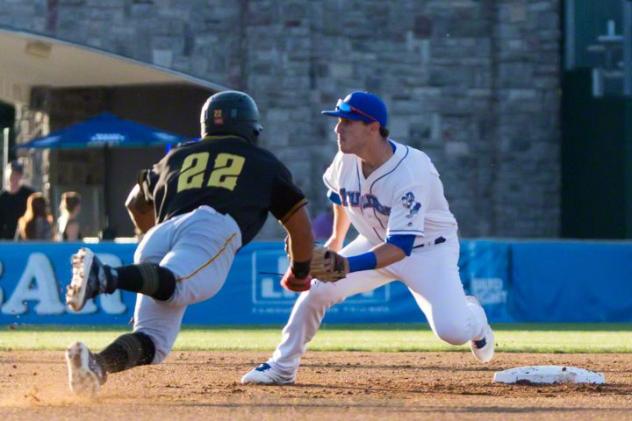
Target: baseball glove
{"type": "Point", "coordinates": [327, 265]}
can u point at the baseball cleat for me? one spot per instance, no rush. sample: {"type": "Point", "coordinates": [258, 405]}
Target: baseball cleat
{"type": "Point", "coordinates": [263, 374]}
{"type": "Point", "coordinates": [85, 375]}
{"type": "Point", "coordinates": [88, 279]}
{"type": "Point", "coordinates": [483, 348]}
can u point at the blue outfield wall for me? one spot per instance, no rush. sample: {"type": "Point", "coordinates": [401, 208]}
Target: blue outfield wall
{"type": "Point", "coordinates": [517, 281]}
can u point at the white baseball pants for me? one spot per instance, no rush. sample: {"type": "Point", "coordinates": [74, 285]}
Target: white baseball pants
{"type": "Point", "coordinates": [430, 273]}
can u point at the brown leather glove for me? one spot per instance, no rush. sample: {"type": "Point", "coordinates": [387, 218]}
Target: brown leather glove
{"type": "Point", "coordinates": [327, 265]}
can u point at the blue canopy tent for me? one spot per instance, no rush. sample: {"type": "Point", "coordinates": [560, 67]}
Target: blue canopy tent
{"type": "Point", "coordinates": [104, 131]}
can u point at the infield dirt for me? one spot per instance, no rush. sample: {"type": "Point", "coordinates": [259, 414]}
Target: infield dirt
{"type": "Point", "coordinates": [330, 385]}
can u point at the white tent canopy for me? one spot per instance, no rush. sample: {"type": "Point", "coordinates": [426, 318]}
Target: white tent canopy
{"type": "Point", "coordinates": [30, 59]}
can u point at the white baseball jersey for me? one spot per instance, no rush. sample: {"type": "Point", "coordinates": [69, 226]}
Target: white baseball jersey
{"type": "Point", "coordinates": [403, 196]}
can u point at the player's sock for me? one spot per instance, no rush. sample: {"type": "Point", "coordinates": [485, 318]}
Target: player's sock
{"type": "Point", "coordinates": [148, 279]}
{"type": "Point", "coordinates": [127, 351]}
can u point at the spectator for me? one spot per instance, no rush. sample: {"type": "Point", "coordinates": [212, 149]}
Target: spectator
{"type": "Point", "coordinates": [12, 200]}
{"type": "Point", "coordinates": [36, 223]}
{"type": "Point", "coordinates": [68, 228]}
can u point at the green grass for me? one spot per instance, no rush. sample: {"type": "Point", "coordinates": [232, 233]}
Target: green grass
{"type": "Point", "coordinates": [548, 338]}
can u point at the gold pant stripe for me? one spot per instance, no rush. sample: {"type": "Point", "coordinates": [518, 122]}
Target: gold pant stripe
{"type": "Point", "coordinates": [211, 260]}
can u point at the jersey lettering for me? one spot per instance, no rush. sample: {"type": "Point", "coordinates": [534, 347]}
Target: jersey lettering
{"type": "Point", "coordinates": [350, 198]}
{"type": "Point", "coordinates": [403, 196]}
{"type": "Point", "coordinates": [370, 201]}
{"type": "Point", "coordinates": [354, 199]}
{"type": "Point", "coordinates": [226, 170]}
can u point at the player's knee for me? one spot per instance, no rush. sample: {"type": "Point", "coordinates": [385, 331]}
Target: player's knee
{"type": "Point", "coordinates": [453, 333]}
{"type": "Point", "coordinates": [162, 344]}
{"type": "Point", "coordinates": [157, 282]}
{"type": "Point", "coordinates": [144, 254]}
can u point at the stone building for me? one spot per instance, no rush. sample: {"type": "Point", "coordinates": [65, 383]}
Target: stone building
{"type": "Point", "coordinates": [473, 83]}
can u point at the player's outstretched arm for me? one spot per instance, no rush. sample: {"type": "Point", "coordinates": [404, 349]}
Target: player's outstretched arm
{"type": "Point", "coordinates": [301, 239]}
{"type": "Point", "coordinates": [341, 226]}
{"type": "Point", "coordinates": [141, 210]}
{"type": "Point", "coordinates": [329, 266]}
{"type": "Point", "coordinates": [387, 254]}
{"type": "Point", "coordinates": [299, 244]}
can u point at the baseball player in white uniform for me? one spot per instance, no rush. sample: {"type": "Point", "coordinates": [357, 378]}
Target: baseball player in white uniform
{"type": "Point", "coordinates": [393, 196]}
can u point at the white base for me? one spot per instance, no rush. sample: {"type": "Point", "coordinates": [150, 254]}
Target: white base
{"type": "Point", "coordinates": [548, 374]}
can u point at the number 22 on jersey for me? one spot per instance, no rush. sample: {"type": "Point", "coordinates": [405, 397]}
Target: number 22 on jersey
{"type": "Point", "coordinates": [226, 170]}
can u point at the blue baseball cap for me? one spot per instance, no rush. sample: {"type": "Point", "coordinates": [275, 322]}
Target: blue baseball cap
{"type": "Point", "coordinates": [361, 106]}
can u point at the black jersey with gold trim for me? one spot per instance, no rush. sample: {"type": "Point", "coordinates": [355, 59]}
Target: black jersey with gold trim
{"type": "Point", "coordinates": [227, 173]}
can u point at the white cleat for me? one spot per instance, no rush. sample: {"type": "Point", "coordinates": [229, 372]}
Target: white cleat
{"type": "Point", "coordinates": [89, 279]}
{"type": "Point", "coordinates": [85, 375]}
{"type": "Point", "coordinates": [264, 374]}
{"type": "Point", "coordinates": [483, 348]}
{"type": "Point", "coordinates": [76, 296]}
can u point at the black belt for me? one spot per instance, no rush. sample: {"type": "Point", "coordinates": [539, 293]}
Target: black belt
{"type": "Point", "coordinates": [437, 240]}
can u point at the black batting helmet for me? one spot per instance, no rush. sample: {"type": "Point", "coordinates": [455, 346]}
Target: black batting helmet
{"type": "Point", "coordinates": [231, 112]}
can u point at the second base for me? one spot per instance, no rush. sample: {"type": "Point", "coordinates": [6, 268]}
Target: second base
{"type": "Point", "coordinates": [548, 374]}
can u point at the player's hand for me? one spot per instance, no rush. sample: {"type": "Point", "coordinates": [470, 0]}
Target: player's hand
{"type": "Point", "coordinates": [292, 283]}
{"type": "Point", "coordinates": [327, 265]}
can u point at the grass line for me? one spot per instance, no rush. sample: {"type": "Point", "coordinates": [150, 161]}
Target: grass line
{"type": "Point", "coordinates": [538, 338]}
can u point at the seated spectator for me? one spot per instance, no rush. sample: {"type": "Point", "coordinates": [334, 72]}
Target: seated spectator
{"type": "Point", "coordinates": [36, 223]}
{"type": "Point", "coordinates": [12, 200]}
{"type": "Point", "coordinates": [68, 228]}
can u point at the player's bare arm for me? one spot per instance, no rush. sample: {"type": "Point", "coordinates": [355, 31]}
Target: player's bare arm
{"type": "Point", "coordinates": [141, 210]}
{"type": "Point", "coordinates": [300, 237]}
{"type": "Point", "coordinates": [386, 254]}
{"type": "Point", "coordinates": [299, 244]}
{"type": "Point", "coordinates": [341, 226]}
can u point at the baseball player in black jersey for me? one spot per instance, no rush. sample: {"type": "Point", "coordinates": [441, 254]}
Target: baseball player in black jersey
{"type": "Point", "coordinates": [198, 206]}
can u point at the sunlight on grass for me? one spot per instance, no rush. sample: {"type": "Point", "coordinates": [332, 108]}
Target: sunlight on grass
{"type": "Point", "coordinates": [557, 338]}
